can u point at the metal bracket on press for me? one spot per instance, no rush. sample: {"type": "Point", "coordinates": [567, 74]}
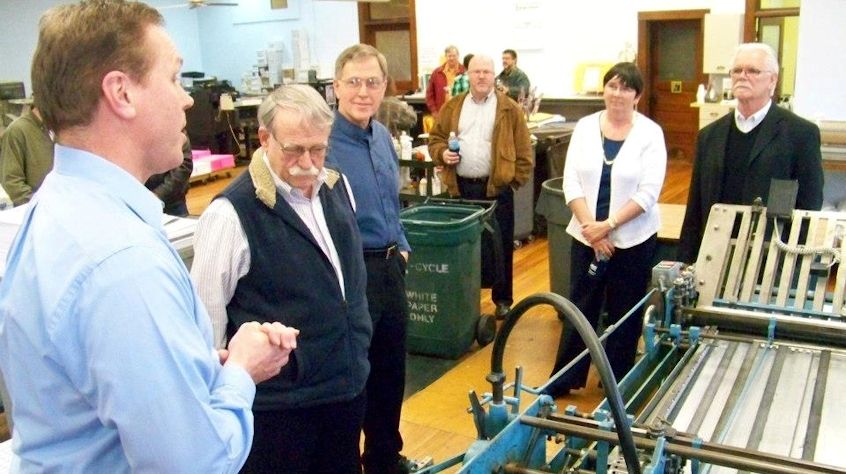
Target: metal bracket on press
{"type": "Point", "coordinates": [676, 333]}
{"type": "Point", "coordinates": [771, 330]}
{"type": "Point", "coordinates": [603, 448]}
{"type": "Point", "coordinates": [657, 464]}
{"type": "Point", "coordinates": [649, 337]}
{"type": "Point", "coordinates": [694, 463]}
{"type": "Point", "coordinates": [693, 334]}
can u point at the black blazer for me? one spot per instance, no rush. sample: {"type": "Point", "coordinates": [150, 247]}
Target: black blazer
{"type": "Point", "coordinates": [787, 147]}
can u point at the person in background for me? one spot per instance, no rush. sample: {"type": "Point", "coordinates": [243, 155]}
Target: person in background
{"type": "Point", "coordinates": [738, 154]}
{"type": "Point", "coordinates": [495, 159]}
{"type": "Point", "coordinates": [361, 147]}
{"type": "Point", "coordinates": [441, 80]}
{"type": "Point", "coordinates": [394, 113]}
{"type": "Point", "coordinates": [171, 186]}
{"type": "Point", "coordinates": [612, 178]}
{"type": "Point", "coordinates": [105, 346]}
{"type": "Point", "coordinates": [462, 81]}
{"type": "Point", "coordinates": [26, 156]}
{"type": "Point", "coordinates": [512, 80]}
{"type": "Point", "coordinates": [281, 244]}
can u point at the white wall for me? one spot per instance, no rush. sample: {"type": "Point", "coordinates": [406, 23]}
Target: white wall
{"type": "Point", "coordinates": [229, 49]}
{"type": "Point", "coordinates": [207, 37]}
{"type": "Point", "coordinates": [18, 37]}
{"type": "Point", "coordinates": [563, 34]}
{"type": "Point", "coordinates": [181, 24]}
{"type": "Point", "coordinates": [820, 66]}
{"type": "Point", "coordinates": [19, 27]}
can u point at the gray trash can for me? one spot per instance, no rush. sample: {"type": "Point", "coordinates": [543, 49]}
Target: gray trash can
{"type": "Point", "coordinates": [551, 205]}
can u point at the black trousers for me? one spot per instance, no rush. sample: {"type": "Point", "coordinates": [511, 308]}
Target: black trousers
{"type": "Point", "coordinates": [623, 284]}
{"type": "Point", "coordinates": [502, 289]}
{"type": "Point", "coordinates": [296, 441]}
{"type": "Point", "coordinates": [386, 384]}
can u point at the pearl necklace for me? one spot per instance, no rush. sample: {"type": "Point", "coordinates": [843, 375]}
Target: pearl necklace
{"type": "Point", "coordinates": [602, 137]}
{"type": "Point", "coordinates": [605, 158]}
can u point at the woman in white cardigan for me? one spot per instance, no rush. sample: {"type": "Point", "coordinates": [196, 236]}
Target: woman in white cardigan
{"type": "Point", "coordinates": [612, 178]}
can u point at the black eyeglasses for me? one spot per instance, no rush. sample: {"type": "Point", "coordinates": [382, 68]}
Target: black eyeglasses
{"type": "Point", "coordinates": [295, 152]}
{"type": "Point", "coordinates": [371, 83]}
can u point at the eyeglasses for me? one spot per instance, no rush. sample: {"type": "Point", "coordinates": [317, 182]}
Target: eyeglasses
{"type": "Point", "coordinates": [750, 71]}
{"type": "Point", "coordinates": [372, 83]}
{"type": "Point", "coordinates": [295, 152]}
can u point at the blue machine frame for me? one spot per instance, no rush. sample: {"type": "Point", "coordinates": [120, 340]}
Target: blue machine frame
{"type": "Point", "coordinates": [746, 378]}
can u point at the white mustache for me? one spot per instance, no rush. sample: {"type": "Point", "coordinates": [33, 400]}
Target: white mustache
{"type": "Point", "coordinates": [297, 170]}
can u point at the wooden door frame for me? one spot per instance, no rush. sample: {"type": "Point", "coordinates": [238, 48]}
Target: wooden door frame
{"type": "Point", "coordinates": [368, 27]}
{"type": "Point", "coordinates": [645, 23]}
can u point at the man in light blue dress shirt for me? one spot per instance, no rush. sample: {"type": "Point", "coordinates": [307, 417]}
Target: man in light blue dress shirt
{"type": "Point", "coordinates": [104, 345]}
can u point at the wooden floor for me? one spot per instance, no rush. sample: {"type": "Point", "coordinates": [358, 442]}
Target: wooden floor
{"type": "Point", "coordinates": [434, 420]}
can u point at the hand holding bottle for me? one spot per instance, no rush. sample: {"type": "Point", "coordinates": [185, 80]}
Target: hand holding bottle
{"type": "Point", "coordinates": [598, 266]}
{"type": "Point", "coordinates": [452, 155]}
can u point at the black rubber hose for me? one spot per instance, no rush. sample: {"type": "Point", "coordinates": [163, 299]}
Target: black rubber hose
{"type": "Point", "coordinates": [575, 317]}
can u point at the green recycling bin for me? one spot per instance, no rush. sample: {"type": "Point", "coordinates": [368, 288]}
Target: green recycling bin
{"type": "Point", "coordinates": [443, 282]}
{"type": "Point", "coordinates": [552, 205]}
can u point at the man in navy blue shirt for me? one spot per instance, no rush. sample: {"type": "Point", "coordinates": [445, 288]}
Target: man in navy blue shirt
{"type": "Point", "coordinates": [362, 148]}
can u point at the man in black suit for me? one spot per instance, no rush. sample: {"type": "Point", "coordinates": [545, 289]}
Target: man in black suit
{"type": "Point", "coordinates": [738, 155]}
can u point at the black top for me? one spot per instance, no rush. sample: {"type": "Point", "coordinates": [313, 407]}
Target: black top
{"type": "Point", "coordinates": [291, 280]}
{"type": "Point", "coordinates": [738, 148]}
{"type": "Point", "coordinates": [603, 198]}
{"type": "Point", "coordinates": [786, 147]}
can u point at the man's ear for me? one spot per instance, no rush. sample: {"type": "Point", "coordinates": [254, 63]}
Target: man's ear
{"type": "Point", "coordinates": [117, 92]}
{"type": "Point", "coordinates": [264, 136]}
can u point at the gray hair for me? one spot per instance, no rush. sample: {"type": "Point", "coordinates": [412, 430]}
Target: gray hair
{"type": "Point", "coordinates": [770, 59]}
{"type": "Point", "coordinates": [359, 52]}
{"type": "Point", "coordinates": [451, 48]}
{"type": "Point", "coordinates": [298, 98]}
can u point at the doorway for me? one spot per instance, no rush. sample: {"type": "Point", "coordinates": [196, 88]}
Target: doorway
{"type": "Point", "coordinates": [391, 27]}
{"type": "Point", "coordinates": [670, 58]}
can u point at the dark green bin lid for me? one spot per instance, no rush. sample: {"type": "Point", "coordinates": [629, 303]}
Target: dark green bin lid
{"type": "Point", "coordinates": [439, 225]}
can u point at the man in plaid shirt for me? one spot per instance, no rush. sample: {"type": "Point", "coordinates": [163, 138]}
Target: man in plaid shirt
{"type": "Point", "coordinates": [462, 82]}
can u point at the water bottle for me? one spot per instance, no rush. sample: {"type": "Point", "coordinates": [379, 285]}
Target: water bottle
{"type": "Point", "coordinates": [700, 94]}
{"type": "Point", "coordinates": [598, 266]}
{"type": "Point", "coordinates": [436, 185]}
{"type": "Point", "coordinates": [453, 144]}
{"type": "Point", "coordinates": [405, 146]}
{"type": "Point", "coordinates": [397, 146]}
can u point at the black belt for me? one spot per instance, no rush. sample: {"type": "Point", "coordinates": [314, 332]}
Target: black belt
{"type": "Point", "coordinates": [482, 180]}
{"type": "Point", "coordinates": [382, 253]}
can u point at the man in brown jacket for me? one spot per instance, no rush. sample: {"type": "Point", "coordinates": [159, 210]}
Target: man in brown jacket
{"type": "Point", "coordinates": [495, 158]}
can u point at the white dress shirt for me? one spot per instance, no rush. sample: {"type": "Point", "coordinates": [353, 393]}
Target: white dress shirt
{"type": "Point", "coordinates": [747, 124]}
{"type": "Point", "coordinates": [475, 131]}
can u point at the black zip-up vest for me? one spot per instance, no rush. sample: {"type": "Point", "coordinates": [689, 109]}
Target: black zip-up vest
{"type": "Point", "coordinates": [291, 281]}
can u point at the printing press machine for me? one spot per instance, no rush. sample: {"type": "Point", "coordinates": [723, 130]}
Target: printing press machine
{"type": "Point", "coordinates": [743, 366]}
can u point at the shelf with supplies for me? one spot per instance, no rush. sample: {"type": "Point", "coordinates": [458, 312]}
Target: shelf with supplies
{"type": "Point", "coordinates": [412, 172]}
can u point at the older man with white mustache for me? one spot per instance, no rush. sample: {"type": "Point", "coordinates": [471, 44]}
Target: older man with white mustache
{"type": "Point", "coordinates": [281, 243]}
